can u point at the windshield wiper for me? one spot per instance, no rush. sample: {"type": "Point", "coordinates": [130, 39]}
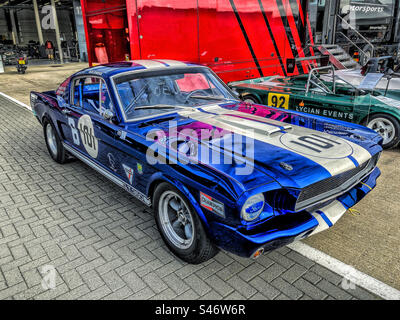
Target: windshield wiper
{"type": "Point", "coordinates": [129, 107]}
{"type": "Point", "coordinates": [158, 106]}
{"type": "Point", "coordinates": [209, 97]}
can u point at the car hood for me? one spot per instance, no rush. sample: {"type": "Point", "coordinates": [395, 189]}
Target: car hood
{"type": "Point", "coordinates": [267, 145]}
{"type": "Point", "coordinates": [293, 85]}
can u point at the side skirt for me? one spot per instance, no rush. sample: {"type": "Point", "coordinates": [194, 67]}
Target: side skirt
{"type": "Point", "coordinates": [133, 191]}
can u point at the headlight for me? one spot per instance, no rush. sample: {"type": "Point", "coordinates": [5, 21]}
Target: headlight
{"type": "Point", "coordinates": [253, 207]}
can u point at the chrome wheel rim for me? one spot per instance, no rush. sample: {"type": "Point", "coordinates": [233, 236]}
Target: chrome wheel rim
{"type": "Point", "coordinates": [51, 139]}
{"type": "Point", "coordinates": [176, 220]}
{"type": "Point", "coordinates": [384, 127]}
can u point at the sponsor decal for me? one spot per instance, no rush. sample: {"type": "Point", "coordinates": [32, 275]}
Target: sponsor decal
{"type": "Point", "coordinates": [326, 113]}
{"type": "Point", "coordinates": [212, 204]}
{"type": "Point", "coordinates": [129, 173]}
{"type": "Point", "coordinates": [301, 104]}
{"type": "Point", "coordinates": [88, 137]}
{"type": "Point", "coordinates": [314, 144]}
{"type": "Point", "coordinates": [94, 72]}
{"type": "Point", "coordinates": [278, 100]}
{"type": "Point", "coordinates": [139, 168]}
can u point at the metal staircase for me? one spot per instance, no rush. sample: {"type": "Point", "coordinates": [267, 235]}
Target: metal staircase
{"type": "Point", "coordinates": [338, 57]}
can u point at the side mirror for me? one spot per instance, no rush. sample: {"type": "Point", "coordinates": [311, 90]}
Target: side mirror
{"type": "Point", "coordinates": [108, 114]}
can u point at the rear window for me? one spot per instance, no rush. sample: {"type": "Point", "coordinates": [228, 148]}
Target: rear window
{"type": "Point", "coordinates": [62, 90]}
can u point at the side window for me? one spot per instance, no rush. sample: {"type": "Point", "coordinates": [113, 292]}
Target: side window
{"type": "Point", "coordinates": [105, 100]}
{"type": "Point", "coordinates": [77, 93]}
{"type": "Point", "coordinates": [62, 90]}
{"type": "Point", "coordinates": [91, 94]}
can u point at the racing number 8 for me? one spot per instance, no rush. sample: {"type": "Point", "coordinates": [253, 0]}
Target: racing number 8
{"type": "Point", "coordinates": [278, 100]}
{"type": "Point", "coordinates": [74, 131]}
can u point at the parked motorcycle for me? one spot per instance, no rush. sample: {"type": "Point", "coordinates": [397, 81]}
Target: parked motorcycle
{"type": "Point", "coordinates": [22, 64]}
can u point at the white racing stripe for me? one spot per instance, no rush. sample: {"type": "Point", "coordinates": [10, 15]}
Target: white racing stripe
{"type": "Point", "coordinates": [335, 159]}
{"type": "Point", "coordinates": [333, 212]}
{"type": "Point", "coordinates": [150, 64]}
{"type": "Point", "coordinates": [173, 63]}
{"type": "Point", "coordinates": [348, 272]}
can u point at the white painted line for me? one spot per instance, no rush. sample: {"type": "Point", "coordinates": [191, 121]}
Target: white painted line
{"type": "Point", "coordinates": [349, 273]}
{"type": "Point", "coordinates": [16, 101]}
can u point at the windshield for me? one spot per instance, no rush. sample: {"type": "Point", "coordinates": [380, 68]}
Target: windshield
{"type": "Point", "coordinates": [151, 93]}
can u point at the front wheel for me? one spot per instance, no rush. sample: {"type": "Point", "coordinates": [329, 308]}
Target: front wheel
{"type": "Point", "coordinates": [248, 98]}
{"type": "Point", "coordinates": [180, 227]}
{"type": "Point", "coordinates": [388, 127]}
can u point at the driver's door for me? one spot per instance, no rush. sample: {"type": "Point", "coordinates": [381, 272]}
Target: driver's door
{"type": "Point", "coordinates": [91, 133]}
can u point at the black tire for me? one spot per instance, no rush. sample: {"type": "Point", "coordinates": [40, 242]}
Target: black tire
{"type": "Point", "coordinates": [389, 119]}
{"type": "Point", "coordinates": [201, 249]}
{"type": "Point", "coordinates": [250, 99]}
{"type": "Point", "coordinates": [60, 155]}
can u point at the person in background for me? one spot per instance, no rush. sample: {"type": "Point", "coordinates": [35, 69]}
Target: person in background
{"type": "Point", "coordinates": [49, 49]}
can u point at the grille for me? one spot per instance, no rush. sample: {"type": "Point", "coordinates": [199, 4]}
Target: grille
{"type": "Point", "coordinates": [340, 183]}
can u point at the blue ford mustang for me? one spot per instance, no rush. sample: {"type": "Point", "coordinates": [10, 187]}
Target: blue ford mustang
{"type": "Point", "coordinates": [218, 172]}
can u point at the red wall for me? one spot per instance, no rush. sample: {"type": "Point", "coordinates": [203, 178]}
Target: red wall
{"type": "Point", "coordinates": [238, 39]}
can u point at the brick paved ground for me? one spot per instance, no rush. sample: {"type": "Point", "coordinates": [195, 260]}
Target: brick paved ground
{"type": "Point", "coordinates": [104, 244]}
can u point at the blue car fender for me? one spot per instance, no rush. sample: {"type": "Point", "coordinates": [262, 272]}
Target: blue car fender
{"type": "Point", "coordinates": [161, 177]}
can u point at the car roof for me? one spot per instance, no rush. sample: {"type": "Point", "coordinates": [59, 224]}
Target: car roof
{"type": "Point", "coordinates": [110, 69]}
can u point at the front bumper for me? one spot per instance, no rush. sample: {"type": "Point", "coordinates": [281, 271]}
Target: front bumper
{"type": "Point", "coordinates": [286, 228]}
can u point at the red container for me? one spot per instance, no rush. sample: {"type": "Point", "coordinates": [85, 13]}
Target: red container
{"type": "Point", "coordinates": [238, 39]}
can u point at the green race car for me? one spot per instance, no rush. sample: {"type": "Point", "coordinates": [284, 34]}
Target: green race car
{"type": "Point", "coordinates": [338, 99]}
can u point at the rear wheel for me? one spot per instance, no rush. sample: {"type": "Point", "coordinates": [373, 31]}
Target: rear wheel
{"type": "Point", "coordinates": [53, 142]}
{"type": "Point", "coordinates": [180, 227]}
{"type": "Point", "coordinates": [388, 127]}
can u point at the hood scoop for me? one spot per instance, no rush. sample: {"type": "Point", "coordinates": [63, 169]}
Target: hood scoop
{"type": "Point", "coordinates": [237, 121]}
{"type": "Point", "coordinates": [259, 127]}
